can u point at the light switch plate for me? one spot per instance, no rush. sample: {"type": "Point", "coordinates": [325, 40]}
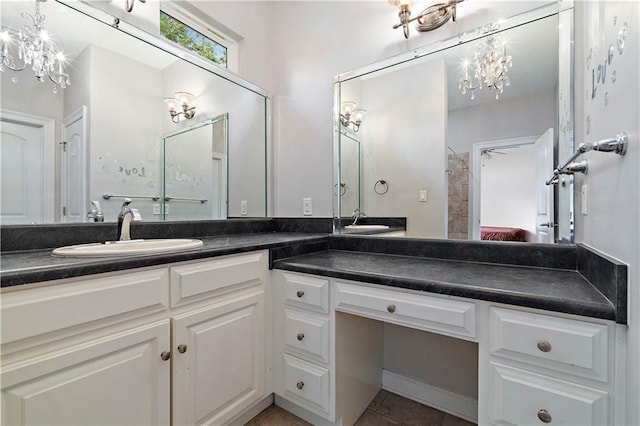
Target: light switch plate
{"type": "Point", "coordinates": [156, 208]}
{"type": "Point", "coordinates": [243, 208]}
{"type": "Point", "coordinates": [422, 196]}
{"type": "Point", "coordinates": [307, 208]}
{"type": "Point", "coordinates": [584, 206]}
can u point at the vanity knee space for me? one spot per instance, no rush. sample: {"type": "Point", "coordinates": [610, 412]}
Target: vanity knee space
{"type": "Point", "coordinates": [532, 366]}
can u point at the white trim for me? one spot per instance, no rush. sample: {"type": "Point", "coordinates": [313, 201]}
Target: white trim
{"type": "Point", "coordinates": [214, 32]}
{"type": "Point", "coordinates": [441, 399]}
{"type": "Point", "coordinates": [250, 413]}
{"type": "Point", "coordinates": [48, 157]}
{"type": "Point", "coordinates": [476, 168]}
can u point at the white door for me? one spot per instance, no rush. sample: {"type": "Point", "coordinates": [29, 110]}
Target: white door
{"type": "Point", "coordinates": [73, 174]}
{"type": "Point", "coordinates": [27, 169]}
{"type": "Point", "coordinates": [544, 193]}
{"type": "Point", "coordinates": [117, 380]}
{"type": "Point", "coordinates": [220, 370]}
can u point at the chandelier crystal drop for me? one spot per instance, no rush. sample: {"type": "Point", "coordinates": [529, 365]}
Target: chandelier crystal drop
{"type": "Point", "coordinates": [33, 46]}
{"type": "Point", "coordinates": [490, 66]}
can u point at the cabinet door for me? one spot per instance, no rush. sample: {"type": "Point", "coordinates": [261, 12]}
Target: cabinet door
{"type": "Point", "coordinates": [219, 361]}
{"type": "Point", "coordinates": [120, 379]}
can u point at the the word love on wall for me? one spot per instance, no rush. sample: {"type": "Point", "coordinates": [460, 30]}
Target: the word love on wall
{"type": "Point", "coordinates": [606, 41]}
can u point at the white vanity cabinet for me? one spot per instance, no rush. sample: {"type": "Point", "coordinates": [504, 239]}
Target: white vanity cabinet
{"type": "Point", "coordinates": [303, 338]}
{"type": "Point", "coordinates": [179, 344]}
{"type": "Point", "coordinates": [534, 366]}
{"type": "Point", "coordinates": [547, 368]}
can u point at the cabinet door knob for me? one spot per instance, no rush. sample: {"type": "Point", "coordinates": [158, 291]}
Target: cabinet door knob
{"type": "Point", "coordinates": [300, 385]}
{"type": "Point", "coordinates": [300, 293]}
{"type": "Point", "coordinates": [544, 346]}
{"type": "Point", "coordinates": [300, 336]}
{"type": "Point", "coordinates": [391, 308]}
{"type": "Point", "coordinates": [182, 348]}
{"type": "Point", "coordinates": [544, 416]}
{"type": "Point", "coordinates": [165, 355]}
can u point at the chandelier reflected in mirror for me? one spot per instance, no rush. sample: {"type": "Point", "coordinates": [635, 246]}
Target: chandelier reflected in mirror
{"type": "Point", "coordinates": [32, 46]}
{"type": "Point", "coordinates": [490, 66]}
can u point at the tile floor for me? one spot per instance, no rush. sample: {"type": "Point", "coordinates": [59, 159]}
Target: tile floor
{"type": "Point", "coordinates": [387, 409]}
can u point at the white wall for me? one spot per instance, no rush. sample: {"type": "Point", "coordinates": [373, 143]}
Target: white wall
{"type": "Point", "coordinates": [612, 224]}
{"type": "Point", "coordinates": [405, 146]}
{"type": "Point", "coordinates": [505, 119]}
{"type": "Point", "coordinates": [508, 189]}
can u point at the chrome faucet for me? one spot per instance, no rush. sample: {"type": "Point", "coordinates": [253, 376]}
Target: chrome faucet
{"type": "Point", "coordinates": [126, 215]}
{"type": "Point", "coordinates": [95, 213]}
{"type": "Point", "coordinates": [357, 214]}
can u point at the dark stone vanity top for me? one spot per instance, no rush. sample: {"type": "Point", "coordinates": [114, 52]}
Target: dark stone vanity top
{"type": "Point", "coordinates": [573, 279]}
{"type": "Point", "coordinates": [569, 278]}
{"type": "Point", "coordinates": [543, 288]}
{"type": "Point", "coordinates": [23, 267]}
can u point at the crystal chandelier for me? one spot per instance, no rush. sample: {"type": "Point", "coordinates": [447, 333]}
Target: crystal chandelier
{"type": "Point", "coordinates": [34, 48]}
{"type": "Point", "coordinates": [490, 64]}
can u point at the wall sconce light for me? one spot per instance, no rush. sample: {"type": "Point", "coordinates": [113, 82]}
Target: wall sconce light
{"type": "Point", "coordinates": [429, 19]}
{"type": "Point", "coordinates": [350, 115]}
{"type": "Point", "coordinates": [183, 101]}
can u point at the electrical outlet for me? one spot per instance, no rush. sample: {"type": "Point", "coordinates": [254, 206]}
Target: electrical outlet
{"type": "Point", "coordinates": [243, 208]}
{"type": "Point", "coordinates": [584, 206]}
{"type": "Point", "coordinates": [307, 208]}
{"type": "Point", "coordinates": [422, 196]}
{"type": "Point", "coordinates": [156, 209]}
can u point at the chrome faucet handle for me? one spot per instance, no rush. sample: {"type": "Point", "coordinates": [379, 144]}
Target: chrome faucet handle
{"type": "Point", "coordinates": [126, 202]}
{"type": "Point", "coordinates": [136, 215]}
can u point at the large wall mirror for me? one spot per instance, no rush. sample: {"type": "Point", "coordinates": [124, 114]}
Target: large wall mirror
{"type": "Point", "coordinates": [102, 137]}
{"type": "Point", "coordinates": [462, 158]}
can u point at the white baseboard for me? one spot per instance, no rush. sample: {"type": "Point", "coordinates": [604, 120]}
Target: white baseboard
{"type": "Point", "coordinates": [256, 409]}
{"type": "Point", "coordinates": [441, 399]}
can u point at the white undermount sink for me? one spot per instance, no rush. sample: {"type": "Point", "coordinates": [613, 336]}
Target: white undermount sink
{"type": "Point", "coordinates": [366, 227]}
{"type": "Point", "coordinates": [128, 248]}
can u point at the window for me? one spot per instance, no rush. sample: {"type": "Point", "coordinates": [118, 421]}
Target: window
{"type": "Point", "coordinates": [208, 44]}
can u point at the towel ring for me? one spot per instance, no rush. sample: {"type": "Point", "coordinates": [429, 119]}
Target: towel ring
{"type": "Point", "coordinates": [343, 188]}
{"type": "Point", "coordinates": [381, 187]}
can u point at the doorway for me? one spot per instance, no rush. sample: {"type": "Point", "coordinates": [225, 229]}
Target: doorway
{"type": "Point", "coordinates": [27, 168]}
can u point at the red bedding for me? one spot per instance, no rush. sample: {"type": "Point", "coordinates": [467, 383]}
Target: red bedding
{"type": "Point", "coordinates": [494, 233]}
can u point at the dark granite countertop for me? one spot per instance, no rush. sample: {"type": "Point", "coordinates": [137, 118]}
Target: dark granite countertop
{"type": "Point", "coordinates": [30, 266]}
{"type": "Point", "coordinates": [574, 279]}
{"type": "Point", "coordinates": [550, 289]}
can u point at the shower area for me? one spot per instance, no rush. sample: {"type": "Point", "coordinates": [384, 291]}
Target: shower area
{"type": "Point", "coordinates": [458, 195]}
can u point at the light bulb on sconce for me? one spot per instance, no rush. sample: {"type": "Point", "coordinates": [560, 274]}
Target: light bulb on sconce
{"type": "Point", "coordinates": [351, 116]}
{"type": "Point", "coordinates": [428, 19]}
{"type": "Point", "coordinates": [181, 101]}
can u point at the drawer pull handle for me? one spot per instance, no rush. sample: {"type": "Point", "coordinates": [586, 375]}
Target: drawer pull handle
{"type": "Point", "coordinates": [300, 293]}
{"type": "Point", "coordinates": [300, 385]}
{"type": "Point", "coordinates": [165, 355]}
{"type": "Point", "coordinates": [391, 308]}
{"type": "Point", "coordinates": [544, 346]}
{"type": "Point", "coordinates": [544, 416]}
{"type": "Point", "coordinates": [300, 336]}
{"type": "Point", "coordinates": [182, 348]}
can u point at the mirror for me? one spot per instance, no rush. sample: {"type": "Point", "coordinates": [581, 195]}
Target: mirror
{"type": "Point", "coordinates": [102, 137]}
{"type": "Point", "coordinates": [464, 164]}
{"type": "Point", "coordinates": [195, 171]}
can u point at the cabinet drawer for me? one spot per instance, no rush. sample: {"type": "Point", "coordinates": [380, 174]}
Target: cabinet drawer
{"type": "Point", "coordinates": [307, 292]}
{"type": "Point", "coordinates": [445, 316]}
{"type": "Point", "coordinates": [571, 346]}
{"type": "Point", "coordinates": [307, 384]}
{"type": "Point", "coordinates": [213, 277]}
{"type": "Point", "coordinates": [32, 312]}
{"type": "Point", "coordinates": [523, 398]}
{"type": "Point", "coordinates": [306, 335]}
